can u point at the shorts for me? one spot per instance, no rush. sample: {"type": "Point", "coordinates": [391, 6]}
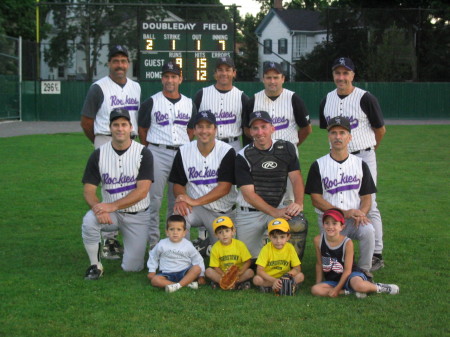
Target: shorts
{"type": "Point", "coordinates": [176, 276]}
{"type": "Point", "coordinates": [347, 284]}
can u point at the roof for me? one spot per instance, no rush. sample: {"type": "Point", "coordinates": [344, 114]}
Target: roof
{"type": "Point", "coordinates": [294, 19]}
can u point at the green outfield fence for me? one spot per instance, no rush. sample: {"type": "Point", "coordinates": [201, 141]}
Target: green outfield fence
{"type": "Point", "coordinates": [397, 100]}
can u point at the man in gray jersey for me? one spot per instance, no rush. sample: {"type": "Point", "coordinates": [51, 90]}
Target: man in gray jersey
{"type": "Point", "coordinates": [110, 92]}
{"type": "Point", "coordinates": [125, 170]}
{"type": "Point", "coordinates": [225, 101]}
{"type": "Point", "coordinates": [342, 180]}
{"type": "Point", "coordinates": [366, 120]}
{"type": "Point", "coordinates": [164, 125]}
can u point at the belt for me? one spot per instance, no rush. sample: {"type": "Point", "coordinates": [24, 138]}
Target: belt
{"type": "Point", "coordinates": [359, 151]}
{"type": "Point", "coordinates": [229, 140]}
{"type": "Point", "coordinates": [249, 209]}
{"type": "Point", "coordinates": [232, 209]}
{"type": "Point", "coordinates": [134, 213]}
{"type": "Point", "coordinates": [169, 147]}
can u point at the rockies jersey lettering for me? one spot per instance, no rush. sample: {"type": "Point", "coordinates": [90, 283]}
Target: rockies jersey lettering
{"type": "Point", "coordinates": [282, 114]}
{"type": "Point", "coordinates": [115, 96]}
{"type": "Point", "coordinates": [341, 182]}
{"type": "Point", "coordinates": [119, 174]}
{"type": "Point", "coordinates": [169, 121]}
{"type": "Point", "coordinates": [227, 107]}
{"type": "Point", "coordinates": [202, 174]}
{"type": "Point", "coordinates": [332, 259]}
{"type": "Point", "coordinates": [363, 135]}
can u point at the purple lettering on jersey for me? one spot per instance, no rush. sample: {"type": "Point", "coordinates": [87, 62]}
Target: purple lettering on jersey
{"type": "Point", "coordinates": [205, 181]}
{"type": "Point", "coordinates": [354, 122]}
{"type": "Point", "coordinates": [161, 118]}
{"type": "Point", "coordinates": [280, 123]}
{"type": "Point", "coordinates": [346, 183]}
{"type": "Point", "coordinates": [193, 173]}
{"type": "Point", "coordinates": [181, 118]}
{"type": "Point", "coordinates": [116, 101]}
{"type": "Point", "coordinates": [225, 117]}
{"type": "Point", "coordinates": [123, 179]}
{"type": "Point", "coordinates": [121, 189]}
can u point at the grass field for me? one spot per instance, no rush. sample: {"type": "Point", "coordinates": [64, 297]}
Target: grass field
{"type": "Point", "coordinates": [42, 258]}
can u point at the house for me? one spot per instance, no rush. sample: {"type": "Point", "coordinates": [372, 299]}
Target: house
{"type": "Point", "coordinates": [285, 35]}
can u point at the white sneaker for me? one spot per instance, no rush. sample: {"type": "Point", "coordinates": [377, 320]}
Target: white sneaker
{"type": "Point", "coordinates": [171, 288]}
{"type": "Point", "coordinates": [193, 285]}
{"type": "Point", "coordinates": [360, 295]}
{"type": "Point", "coordinates": [392, 289]}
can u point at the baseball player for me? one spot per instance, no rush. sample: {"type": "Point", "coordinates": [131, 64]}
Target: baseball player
{"type": "Point", "coordinates": [110, 92]}
{"type": "Point", "coordinates": [203, 176]}
{"type": "Point", "coordinates": [164, 125]}
{"type": "Point", "coordinates": [125, 170]}
{"type": "Point", "coordinates": [262, 169]}
{"type": "Point", "coordinates": [225, 101]}
{"type": "Point", "coordinates": [366, 120]}
{"type": "Point", "coordinates": [342, 180]}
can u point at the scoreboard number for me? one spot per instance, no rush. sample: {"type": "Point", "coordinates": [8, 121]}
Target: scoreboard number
{"type": "Point", "coordinates": [149, 44]}
{"type": "Point", "coordinates": [221, 45]}
{"type": "Point", "coordinates": [201, 75]}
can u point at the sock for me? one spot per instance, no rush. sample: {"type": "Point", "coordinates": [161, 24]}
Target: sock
{"type": "Point", "coordinates": [378, 256]}
{"type": "Point", "coordinates": [93, 251]}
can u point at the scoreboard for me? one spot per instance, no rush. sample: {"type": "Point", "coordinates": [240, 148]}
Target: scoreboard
{"type": "Point", "coordinates": [194, 46]}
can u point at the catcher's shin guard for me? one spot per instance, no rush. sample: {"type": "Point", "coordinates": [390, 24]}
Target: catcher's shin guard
{"type": "Point", "coordinates": [299, 230]}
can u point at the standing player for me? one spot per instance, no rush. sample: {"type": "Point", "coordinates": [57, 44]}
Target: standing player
{"type": "Point", "coordinates": [164, 127]}
{"type": "Point", "coordinates": [287, 110]}
{"type": "Point", "coordinates": [203, 176]}
{"type": "Point", "coordinates": [342, 180]}
{"type": "Point", "coordinates": [125, 170]}
{"type": "Point", "coordinates": [110, 92]}
{"type": "Point", "coordinates": [366, 120]}
{"type": "Point", "coordinates": [262, 170]}
{"type": "Point", "coordinates": [225, 101]}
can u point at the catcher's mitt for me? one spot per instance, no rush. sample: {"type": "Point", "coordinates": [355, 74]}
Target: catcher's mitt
{"type": "Point", "coordinates": [288, 286]}
{"type": "Point", "coordinates": [299, 229]}
{"type": "Point", "coordinates": [228, 280]}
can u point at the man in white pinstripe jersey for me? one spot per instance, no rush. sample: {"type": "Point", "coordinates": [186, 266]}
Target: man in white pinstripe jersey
{"type": "Point", "coordinates": [203, 176]}
{"type": "Point", "coordinates": [367, 123]}
{"type": "Point", "coordinates": [125, 170]}
{"type": "Point", "coordinates": [164, 125]}
{"type": "Point", "coordinates": [225, 101]}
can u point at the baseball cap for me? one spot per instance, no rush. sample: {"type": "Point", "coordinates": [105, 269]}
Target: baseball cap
{"type": "Point", "coordinates": [335, 214]}
{"type": "Point", "coordinates": [225, 60]}
{"type": "Point", "coordinates": [118, 49]}
{"type": "Point", "coordinates": [343, 62]}
{"type": "Point", "coordinates": [119, 112]}
{"type": "Point", "coordinates": [263, 115]}
{"type": "Point", "coordinates": [205, 115]}
{"type": "Point", "coordinates": [171, 67]}
{"type": "Point", "coordinates": [280, 224]}
{"type": "Point", "coordinates": [272, 66]}
{"type": "Point", "coordinates": [339, 121]}
{"type": "Point", "coordinates": [222, 221]}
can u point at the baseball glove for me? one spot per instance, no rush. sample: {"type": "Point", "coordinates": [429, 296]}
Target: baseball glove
{"type": "Point", "coordinates": [228, 280]}
{"type": "Point", "coordinates": [288, 285]}
{"type": "Point", "coordinates": [299, 229]}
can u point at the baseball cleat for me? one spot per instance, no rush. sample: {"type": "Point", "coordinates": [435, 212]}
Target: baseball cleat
{"type": "Point", "coordinates": [93, 273]}
{"type": "Point", "coordinates": [111, 249]}
{"type": "Point", "coordinates": [377, 263]}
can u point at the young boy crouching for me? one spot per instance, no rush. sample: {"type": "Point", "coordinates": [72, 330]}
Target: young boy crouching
{"type": "Point", "coordinates": [277, 258]}
{"type": "Point", "coordinates": [335, 272]}
{"type": "Point", "coordinates": [227, 252]}
{"type": "Point", "coordinates": [178, 260]}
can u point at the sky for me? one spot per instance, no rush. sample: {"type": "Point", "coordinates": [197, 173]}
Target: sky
{"type": "Point", "coordinates": [247, 6]}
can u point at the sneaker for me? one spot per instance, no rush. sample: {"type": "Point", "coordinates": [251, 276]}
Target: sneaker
{"type": "Point", "coordinates": [243, 285]}
{"type": "Point", "coordinates": [171, 288]}
{"type": "Point", "coordinates": [93, 273]}
{"type": "Point", "coordinates": [392, 289]}
{"type": "Point", "coordinates": [214, 285]}
{"type": "Point", "coordinates": [111, 249]}
{"type": "Point", "coordinates": [377, 263]}
{"type": "Point", "coordinates": [265, 289]}
{"type": "Point", "coordinates": [193, 285]}
{"type": "Point", "coordinates": [360, 295]}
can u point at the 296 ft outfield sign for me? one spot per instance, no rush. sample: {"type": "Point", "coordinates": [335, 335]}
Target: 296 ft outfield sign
{"type": "Point", "coordinates": [193, 45]}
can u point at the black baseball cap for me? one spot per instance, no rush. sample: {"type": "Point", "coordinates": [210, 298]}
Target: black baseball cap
{"type": "Point", "coordinates": [118, 49]}
{"type": "Point", "coordinates": [263, 115]}
{"type": "Point", "coordinates": [272, 66]}
{"type": "Point", "coordinates": [119, 112]}
{"type": "Point", "coordinates": [339, 121]}
{"type": "Point", "coordinates": [205, 115]}
{"type": "Point", "coordinates": [343, 62]}
{"type": "Point", "coordinates": [225, 60]}
{"type": "Point", "coordinates": [171, 67]}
